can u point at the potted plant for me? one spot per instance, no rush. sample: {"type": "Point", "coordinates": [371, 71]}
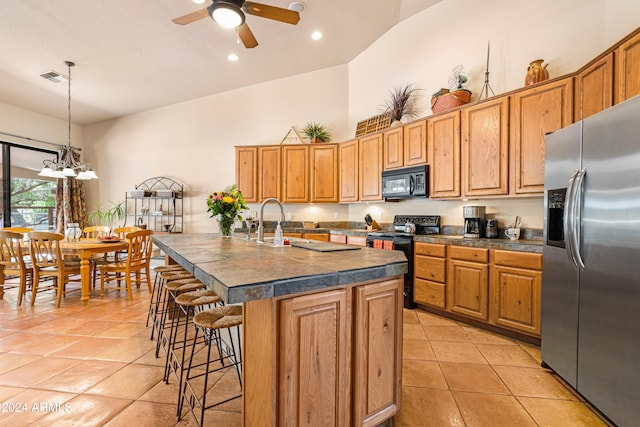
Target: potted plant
{"type": "Point", "coordinates": [402, 102]}
{"type": "Point", "coordinates": [316, 133]}
{"type": "Point", "coordinates": [108, 216]}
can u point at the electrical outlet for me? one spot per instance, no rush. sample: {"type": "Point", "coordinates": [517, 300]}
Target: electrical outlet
{"type": "Point", "coordinates": [288, 216]}
{"type": "Point", "coordinates": [380, 216]}
{"type": "Point", "coordinates": [336, 215]}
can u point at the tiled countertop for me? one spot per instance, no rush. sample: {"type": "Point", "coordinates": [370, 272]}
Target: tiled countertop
{"type": "Point", "coordinates": [504, 244]}
{"type": "Point", "coordinates": [239, 270]}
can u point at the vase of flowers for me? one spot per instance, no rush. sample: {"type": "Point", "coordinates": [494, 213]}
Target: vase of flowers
{"type": "Point", "coordinates": [226, 206]}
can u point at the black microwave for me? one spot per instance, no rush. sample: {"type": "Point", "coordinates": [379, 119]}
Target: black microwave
{"type": "Point", "coordinates": [404, 183]}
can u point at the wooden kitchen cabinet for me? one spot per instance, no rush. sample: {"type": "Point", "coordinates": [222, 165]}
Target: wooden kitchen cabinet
{"type": "Point", "coordinates": [322, 237]}
{"type": "Point", "coordinates": [485, 148]}
{"type": "Point", "coordinates": [393, 148]}
{"type": "Point", "coordinates": [429, 282]}
{"type": "Point", "coordinates": [357, 240]}
{"type": "Point", "coordinates": [415, 143]}
{"type": "Point", "coordinates": [443, 138]}
{"type": "Point", "coordinates": [628, 69]}
{"type": "Point", "coordinates": [370, 167]}
{"type": "Point", "coordinates": [321, 321]}
{"type": "Point", "coordinates": [246, 173]}
{"type": "Point", "coordinates": [349, 171]}
{"type": "Point", "coordinates": [467, 291]}
{"type": "Point", "coordinates": [515, 287]}
{"type": "Point", "coordinates": [594, 88]}
{"type": "Point", "coordinates": [534, 113]}
{"type": "Point", "coordinates": [324, 173]}
{"type": "Point", "coordinates": [377, 344]}
{"type": "Point", "coordinates": [269, 172]}
{"type": "Point", "coordinates": [338, 238]}
{"type": "Point", "coordinates": [295, 177]}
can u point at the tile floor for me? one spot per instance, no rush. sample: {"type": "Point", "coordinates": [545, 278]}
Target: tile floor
{"type": "Point", "coordinates": [95, 366]}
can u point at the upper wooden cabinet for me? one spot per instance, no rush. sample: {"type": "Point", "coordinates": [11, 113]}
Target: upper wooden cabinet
{"type": "Point", "coordinates": [393, 156]}
{"type": "Point", "coordinates": [324, 173]}
{"type": "Point", "coordinates": [628, 69]}
{"type": "Point", "coordinates": [415, 143]}
{"type": "Point", "coordinates": [534, 113]}
{"type": "Point", "coordinates": [295, 178]}
{"type": "Point", "coordinates": [485, 148]}
{"type": "Point", "coordinates": [370, 166]}
{"type": "Point", "coordinates": [349, 171]}
{"type": "Point", "coordinates": [269, 172]}
{"type": "Point", "coordinates": [246, 173]}
{"type": "Point", "coordinates": [443, 136]}
{"type": "Point", "coordinates": [594, 88]}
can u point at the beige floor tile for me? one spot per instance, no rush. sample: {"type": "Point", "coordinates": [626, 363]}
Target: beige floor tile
{"type": "Point", "coordinates": [560, 413]}
{"type": "Point", "coordinates": [486, 337]}
{"type": "Point", "coordinates": [31, 405]}
{"type": "Point", "coordinates": [213, 418]}
{"type": "Point", "coordinates": [423, 373]}
{"type": "Point", "coordinates": [427, 318]}
{"type": "Point", "coordinates": [122, 330]}
{"type": "Point", "coordinates": [20, 340]}
{"type": "Point", "coordinates": [127, 350]}
{"type": "Point", "coordinates": [36, 371]}
{"type": "Point", "coordinates": [472, 377]}
{"type": "Point", "coordinates": [163, 393]}
{"type": "Point", "coordinates": [508, 355]}
{"type": "Point", "coordinates": [533, 350]}
{"type": "Point", "coordinates": [447, 351]}
{"type": "Point", "coordinates": [533, 382]}
{"type": "Point", "coordinates": [85, 410]}
{"type": "Point", "coordinates": [46, 345]}
{"type": "Point", "coordinates": [86, 347]}
{"type": "Point", "coordinates": [417, 349]}
{"type": "Point", "coordinates": [446, 333]}
{"type": "Point", "coordinates": [428, 407]}
{"type": "Point", "coordinates": [409, 317]}
{"type": "Point", "coordinates": [491, 410]}
{"type": "Point", "coordinates": [413, 330]}
{"type": "Point", "coordinates": [149, 358]}
{"type": "Point", "coordinates": [130, 382]}
{"type": "Point", "coordinates": [145, 414]}
{"type": "Point", "coordinates": [10, 361]}
{"type": "Point", "coordinates": [88, 328]}
{"type": "Point", "coordinates": [8, 392]}
{"type": "Point", "coordinates": [82, 376]}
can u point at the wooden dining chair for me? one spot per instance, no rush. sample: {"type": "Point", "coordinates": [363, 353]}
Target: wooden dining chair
{"type": "Point", "coordinates": [122, 232]}
{"type": "Point", "coordinates": [95, 232]}
{"type": "Point", "coordinates": [13, 262]}
{"type": "Point", "coordinates": [138, 261]}
{"type": "Point", "coordinates": [48, 263]}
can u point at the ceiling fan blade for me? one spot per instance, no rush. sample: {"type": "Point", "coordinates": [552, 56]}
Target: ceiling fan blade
{"type": "Point", "coordinates": [271, 12]}
{"type": "Point", "coordinates": [246, 35]}
{"type": "Point", "coordinates": [191, 17]}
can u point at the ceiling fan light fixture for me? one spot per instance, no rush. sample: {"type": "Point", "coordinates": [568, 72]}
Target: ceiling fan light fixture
{"type": "Point", "coordinates": [227, 13]}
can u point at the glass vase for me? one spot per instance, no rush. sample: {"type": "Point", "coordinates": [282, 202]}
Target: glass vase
{"type": "Point", "coordinates": [226, 226]}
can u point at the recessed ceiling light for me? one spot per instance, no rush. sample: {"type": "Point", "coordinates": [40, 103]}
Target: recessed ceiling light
{"type": "Point", "coordinates": [298, 6]}
{"type": "Point", "coordinates": [233, 57]}
{"type": "Point", "coordinates": [198, 1]}
{"type": "Point", "coordinates": [316, 35]}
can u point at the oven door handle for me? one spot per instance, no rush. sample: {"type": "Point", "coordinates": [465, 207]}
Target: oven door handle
{"type": "Point", "coordinates": [412, 185]}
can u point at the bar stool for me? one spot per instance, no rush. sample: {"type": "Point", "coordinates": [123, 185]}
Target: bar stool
{"type": "Point", "coordinates": [171, 290]}
{"type": "Point", "coordinates": [156, 305]}
{"type": "Point", "coordinates": [209, 323]}
{"type": "Point", "coordinates": [153, 301]}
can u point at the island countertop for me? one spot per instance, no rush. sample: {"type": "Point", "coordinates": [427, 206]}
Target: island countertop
{"type": "Point", "coordinates": [239, 270]}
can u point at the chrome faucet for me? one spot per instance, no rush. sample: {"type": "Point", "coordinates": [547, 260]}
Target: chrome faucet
{"type": "Point", "coordinates": [260, 218]}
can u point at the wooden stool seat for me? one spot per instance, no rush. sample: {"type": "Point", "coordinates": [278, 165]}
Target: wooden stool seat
{"type": "Point", "coordinates": [219, 317]}
{"type": "Point", "coordinates": [197, 298]}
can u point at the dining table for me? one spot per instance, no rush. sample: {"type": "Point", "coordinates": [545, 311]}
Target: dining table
{"type": "Point", "coordinates": [84, 249]}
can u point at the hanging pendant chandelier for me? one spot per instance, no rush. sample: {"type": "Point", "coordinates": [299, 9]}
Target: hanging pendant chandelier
{"type": "Point", "coordinates": [68, 163]}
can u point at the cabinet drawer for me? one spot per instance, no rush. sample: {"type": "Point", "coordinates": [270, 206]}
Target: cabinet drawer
{"type": "Point", "coordinates": [469, 254]}
{"type": "Point", "coordinates": [430, 249]}
{"type": "Point", "coordinates": [356, 241]}
{"type": "Point", "coordinates": [430, 268]}
{"type": "Point", "coordinates": [427, 292]}
{"type": "Point", "coordinates": [323, 237]}
{"type": "Point", "coordinates": [532, 261]}
{"type": "Point", "coordinates": [338, 238]}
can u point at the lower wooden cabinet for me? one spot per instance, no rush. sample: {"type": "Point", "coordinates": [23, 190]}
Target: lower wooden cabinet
{"type": "Point", "coordinates": [338, 238]}
{"type": "Point", "coordinates": [322, 237]}
{"type": "Point", "coordinates": [356, 240]}
{"type": "Point", "coordinates": [468, 282]}
{"type": "Point", "coordinates": [429, 274]}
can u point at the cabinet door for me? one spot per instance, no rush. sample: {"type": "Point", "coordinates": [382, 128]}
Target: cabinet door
{"type": "Point", "coordinates": [485, 148]}
{"type": "Point", "coordinates": [315, 359]}
{"type": "Point", "coordinates": [415, 143]}
{"type": "Point", "coordinates": [516, 299]}
{"type": "Point", "coordinates": [393, 156]}
{"type": "Point", "coordinates": [628, 69]}
{"type": "Point", "coordinates": [269, 172]}
{"type": "Point", "coordinates": [338, 238]}
{"type": "Point", "coordinates": [468, 289]}
{"type": "Point", "coordinates": [377, 347]}
{"type": "Point", "coordinates": [370, 165]}
{"type": "Point", "coordinates": [349, 171]}
{"type": "Point", "coordinates": [322, 237]}
{"type": "Point", "coordinates": [247, 172]}
{"type": "Point", "coordinates": [594, 88]}
{"type": "Point", "coordinates": [324, 173]}
{"type": "Point", "coordinates": [534, 113]}
{"type": "Point", "coordinates": [295, 182]}
{"type": "Point", "coordinates": [443, 138]}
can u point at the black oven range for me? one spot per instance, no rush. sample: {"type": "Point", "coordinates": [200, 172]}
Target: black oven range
{"type": "Point", "coordinates": [400, 238]}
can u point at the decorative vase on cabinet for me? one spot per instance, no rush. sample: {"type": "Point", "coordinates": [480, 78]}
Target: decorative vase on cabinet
{"type": "Point", "coordinates": [536, 72]}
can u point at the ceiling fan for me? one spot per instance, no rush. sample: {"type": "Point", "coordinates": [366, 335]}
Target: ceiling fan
{"type": "Point", "coordinates": [231, 14]}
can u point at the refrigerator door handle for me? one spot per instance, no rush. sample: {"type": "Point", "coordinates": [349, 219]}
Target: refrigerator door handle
{"type": "Point", "coordinates": [577, 217]}
{"type": "Point", "coordinates": [567, 220]}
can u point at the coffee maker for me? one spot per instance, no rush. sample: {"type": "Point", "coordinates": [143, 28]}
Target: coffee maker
{"type": "Point", "coordinates": [473, 219]}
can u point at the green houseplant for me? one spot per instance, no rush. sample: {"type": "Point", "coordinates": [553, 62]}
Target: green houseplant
{"type": "Point", "coordinates": [106, 216]}
{"type": "Point", "coordinates": [316, 133]}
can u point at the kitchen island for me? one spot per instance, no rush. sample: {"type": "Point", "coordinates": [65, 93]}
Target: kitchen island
{"type": "Point", "coordinates": [322, 329]}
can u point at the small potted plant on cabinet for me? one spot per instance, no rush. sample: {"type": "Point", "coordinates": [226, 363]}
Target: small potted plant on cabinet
{"type": "Point", "coordinates": [316, 133]}
{"type": "Point", "coordinates": [401, 103]}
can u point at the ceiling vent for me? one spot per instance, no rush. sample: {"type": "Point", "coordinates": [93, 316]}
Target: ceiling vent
{"type": "Point", "coordinates": [54, 76]}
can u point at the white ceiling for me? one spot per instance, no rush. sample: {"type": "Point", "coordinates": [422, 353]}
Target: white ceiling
{"type": "Point", "coordinates": [130, 57]}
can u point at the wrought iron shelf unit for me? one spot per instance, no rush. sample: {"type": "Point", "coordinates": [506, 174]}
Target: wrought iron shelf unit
{"type": "Point", "coordinates": [157, 203]}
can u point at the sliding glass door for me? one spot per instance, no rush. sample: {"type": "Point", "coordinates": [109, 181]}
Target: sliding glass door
{"type": "Point", "coordinates": [28, 200]}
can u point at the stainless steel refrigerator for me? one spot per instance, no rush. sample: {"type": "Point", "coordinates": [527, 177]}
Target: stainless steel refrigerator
{"type": "Point", "coordinates": [591, 278]}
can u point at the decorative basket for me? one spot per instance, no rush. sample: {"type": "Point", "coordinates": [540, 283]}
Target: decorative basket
{"type": "Point", "coordinates": [137, 194]}
{"type": "Point", "coordinates": [165, 194]}
{"type": "Point", "coordinates": [450, 100]}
